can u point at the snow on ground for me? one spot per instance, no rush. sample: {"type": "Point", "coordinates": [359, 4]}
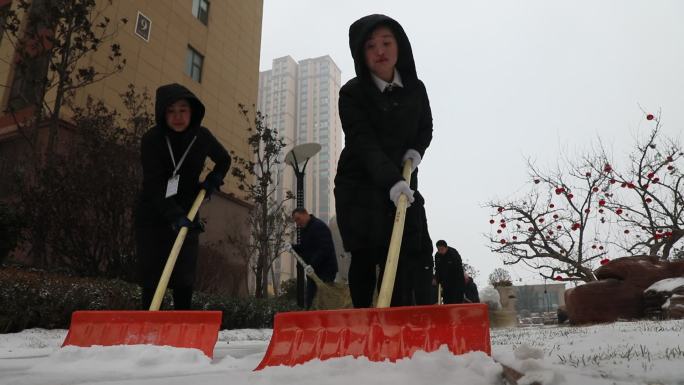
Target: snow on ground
{"type": "Point", "coordinates": [644, 352]}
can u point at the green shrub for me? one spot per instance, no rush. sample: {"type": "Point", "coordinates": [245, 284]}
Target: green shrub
{"type": "Point", "coordinates": [36, 299]}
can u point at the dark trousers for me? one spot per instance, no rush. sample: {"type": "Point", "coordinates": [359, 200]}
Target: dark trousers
{"type": "Point", "coordinates": [362, 276]}
{"type": "Point", "coordinates": [363, 282]}
{"type": "Point", "coordinates": [451, 293]}
{"type": "Point", "coordinates": [182, 297]}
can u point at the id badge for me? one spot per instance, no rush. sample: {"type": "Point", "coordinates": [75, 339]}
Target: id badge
{"type": "Point", "coordinates": [172, 186]}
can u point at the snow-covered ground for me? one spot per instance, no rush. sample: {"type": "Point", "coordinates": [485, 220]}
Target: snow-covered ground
{"type": "Point", "coordinates": [621, 353]}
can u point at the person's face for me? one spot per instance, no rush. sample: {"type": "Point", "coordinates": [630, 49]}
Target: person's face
{"type": "Point", "coordinates": [442, 250]}
{"type": "Point", "coordinates": [300, 219]}
{"type": "Point", "coordinates": [178, 115]}
{"type": "Point", "coordinates": [381, 53]}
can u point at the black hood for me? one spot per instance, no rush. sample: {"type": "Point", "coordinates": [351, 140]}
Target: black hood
{"type": "Point", "coordinates": [171, 93]}
{"type": "Point", "coordinates": [361, 30]}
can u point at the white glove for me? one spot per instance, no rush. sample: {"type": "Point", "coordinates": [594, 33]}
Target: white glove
{"type": "Point", "coordinates": [414, 156]}
{"type": "Point", "coordinates": [308, 270]}
{"type": "Point", "coordinates": [399, 188]}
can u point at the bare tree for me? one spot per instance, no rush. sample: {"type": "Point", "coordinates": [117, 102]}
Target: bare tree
{"type": "Point", "coordinates": [500, 277]}
{"type": "Point", "coordinates": [553, 229]}
{"type": "Point", "coordinates": [51, 38]}
{"type": "Point", "coordinates": [572, 218]}
{"type": "Point", "coordinates": [646, 199]}
{"type": "Point", "coordinates": [269, 222]}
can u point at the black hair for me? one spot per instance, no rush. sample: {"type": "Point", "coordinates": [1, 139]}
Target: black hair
{"type": "Point", "coordinates": [441, 242]}
{"type": "Point", "coordinates": [300, 210]}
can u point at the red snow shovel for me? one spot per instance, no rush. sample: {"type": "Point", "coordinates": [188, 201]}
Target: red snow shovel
{"type": "Point", "coordinates": [182, 329]}
{"type": "Point", "coordinates": [380, 333]}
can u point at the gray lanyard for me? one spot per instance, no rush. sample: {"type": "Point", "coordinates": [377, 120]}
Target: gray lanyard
{"type": "Point", "coordinates": [180, 162]}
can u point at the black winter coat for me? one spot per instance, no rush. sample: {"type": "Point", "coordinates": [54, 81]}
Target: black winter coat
{"type": "Point", "coordinates": [449, 269]}
{"type": "Point", "coordinates": [317, 248]}
{"type": "Point", "coordinates": [379, 128]}
{"type": "Point", "coordinates": [155, 212]}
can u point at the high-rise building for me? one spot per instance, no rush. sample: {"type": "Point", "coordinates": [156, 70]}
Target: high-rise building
{"type": "Point", "coordinates": [299, 99]}
{"type": "Point", "coordinates": [214, 51]}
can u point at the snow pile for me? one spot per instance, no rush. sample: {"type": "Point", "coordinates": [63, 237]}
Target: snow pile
{"type": "Point", "coordinates": [666, 285]}
{"type": "Point", "coordinates": [438, 367]}
{"type": "Point", "coordinates": [490, 296]}
{"type": "Point", "coordinates": [124, 358]}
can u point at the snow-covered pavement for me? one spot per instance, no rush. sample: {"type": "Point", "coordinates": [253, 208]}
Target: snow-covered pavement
{"type": "Point", "coordinates": [643, 352]}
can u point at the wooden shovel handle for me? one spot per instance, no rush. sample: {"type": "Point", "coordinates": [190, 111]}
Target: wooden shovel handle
{"type": "Point", "coordinates": [171, 261]}
{"type": "Point", "coordinates": [385, 296]}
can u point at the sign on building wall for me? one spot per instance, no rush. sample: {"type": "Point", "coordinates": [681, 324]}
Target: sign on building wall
{"type": "Point", "coordinates": [143, 26]}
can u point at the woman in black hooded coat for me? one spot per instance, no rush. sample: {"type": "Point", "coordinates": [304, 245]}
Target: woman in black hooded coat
{"type": "Point", "coordinates": [177, 145]}
{"type": "Point", "coordinates": [386, 118]}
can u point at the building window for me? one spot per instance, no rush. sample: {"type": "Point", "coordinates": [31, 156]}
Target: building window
{"type": "Point", "coordinates": [193, 65]}
{"type": "Point", "coordinates": [200, 9]}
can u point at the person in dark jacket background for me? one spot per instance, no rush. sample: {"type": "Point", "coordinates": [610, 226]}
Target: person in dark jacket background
{"type": "Point", "coordinates": [386, 119]}
{"type": "Point", "coordinates": [316, 249]}
{"type": "Point", "coordinates": [470, 292]}
{"type": "Point", "coordinates": [173, 153]}
{"type": "Point", "coordinates": [449, 272]}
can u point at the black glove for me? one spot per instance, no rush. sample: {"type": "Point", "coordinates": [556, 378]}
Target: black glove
{"type": "Point", "coordinates": [185, 222]}
{"type": "Point", "coordinates": [211, 183]}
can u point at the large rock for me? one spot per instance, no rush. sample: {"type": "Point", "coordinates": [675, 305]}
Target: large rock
{"type": "Point", "coordinates": [619, 291]}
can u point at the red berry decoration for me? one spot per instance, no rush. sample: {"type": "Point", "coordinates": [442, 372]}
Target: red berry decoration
{"type": "Point", "coordinates": [600, 211]}
{"type": "Point", "coordinates": [602, 202]}
{"type": "Point", "coordinates": [541, 220]}
{"type": "Point", "coordinates": [536, 181]}
{"type": "Point", "coordinates": [588, 174]}
{"type": "Point", "coordinates": [559, 227]}
{"type": "Point", "coordinates": [552, 205]}
{"type": "Point", "coordinates": [649, 117]}
{"type": "Point", "coordinates": [514, 237]}
{"type": "Point", "coordinates": [669, 159]}
{"type": "Point", "coordinates": [491, 221]}
{"type": "Point", "coordinates": [670, 167]}
{"type": "Point", "coordinates": [558, 278]}
{"type": "Point", "coordinates": [656, 180]}
{"type": "Point", "coordinates": [612, 181]}
{"type": "Point", "coordinates": [618, 211]}
{"type": "Point", "coordinates": [648, 200]}
{"type": "Point", "coordinates": [498, 231]}
{"type": "Point", "coordinates": [595, 189]}
{"type": "Point", "coordinates": [570, 196]}
{"type": "Point", "coordinates": [530, 229]}
{"type": "Point", "coordinates": [650, 175]}
{"type": "Point", "coordinates": [605, 261]}
{"type": "Point", "coordinates": [607, 168]}
{"type": "Point", "coordinates": [587, 211]}
{"type": "Point", "coordinates": [503, 241]}
{"type": "Point", "coordinates": [626, 231]}
{"type": "Point", "coordinates": [500, 209]}
{"type": "Point", "coordinates": [600, 247]}
{"type": "Point", "coordinates": [555, 216]}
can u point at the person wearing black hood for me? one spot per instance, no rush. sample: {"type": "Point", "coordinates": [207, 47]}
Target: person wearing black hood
{"type": "Point", "coordinates": [173, 153]}
{"type": "Point", "coordinates": [386, 118]}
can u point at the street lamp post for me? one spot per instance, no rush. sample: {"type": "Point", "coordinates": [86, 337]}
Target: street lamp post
{"type": "Point", "coordinates": [298, 157]}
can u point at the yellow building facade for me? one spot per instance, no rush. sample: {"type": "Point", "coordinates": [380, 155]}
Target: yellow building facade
{"type": "Point", "coordinates": [210, 47]}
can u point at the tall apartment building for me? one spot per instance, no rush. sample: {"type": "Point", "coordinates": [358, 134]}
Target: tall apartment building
{"type": "Point", "coordinates": [299, 99]}
{"type": "Point", "coordinates": [212, 50]}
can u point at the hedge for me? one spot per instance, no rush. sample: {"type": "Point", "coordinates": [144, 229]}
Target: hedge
{"type": "Point", "coordinates": [32, 298]}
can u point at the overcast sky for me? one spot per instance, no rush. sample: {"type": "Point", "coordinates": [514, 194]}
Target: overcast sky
{"type": "Point", "coordinates": [508, 80]}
